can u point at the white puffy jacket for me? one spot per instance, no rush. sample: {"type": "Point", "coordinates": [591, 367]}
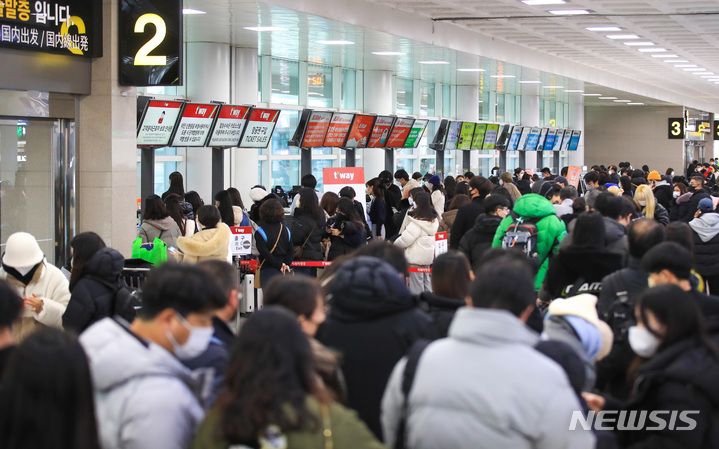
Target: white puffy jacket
{"type": "Point", "coordinates": [417, 237]}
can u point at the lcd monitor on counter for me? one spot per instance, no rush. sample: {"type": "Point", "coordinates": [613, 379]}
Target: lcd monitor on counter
{"type": "Point", "coordinates": [440, 136]}
{"type": "Point", "coordinates": [453, 136]}
{"type": "Point", "coordinates": [551, 137]}
{"type": "Point", "coordinates": [533, 139]}
{"type": "Point", "coordinates": [542, 139]}
{"type": "Point", "coordinates": [317, 126]}
{"type": "Point", "coordinates": [479, 131]}
{"type": "Point", "coordinates": [158, 121]}
{"type": "Point", "coordinates": [400, 132]}
{"type": "Point", "coordinates": [466, 134]}
{"type": "Point", "coordinates": [229, 126]}
{"type": "Point", "coordinates": [380, 131]}
{"type": "Point", "coordinates": [416, 133]}
{"type": "Point", "coordinates": [338, 130]}
{"type": "Point", "coordinates": [503, 139]}
{"type": "Point", "coordinates": [513, 144]}
{"type": "Point", "coordinates": [259, 129]}
{"type": "Point", "coordinates": [360, 131]}
{"type": "Point", "coordinates": [574, 140]}
{"type": "Point", "coordinates": [490, 137]}
{"type": "Point", "coordinates": [195, 125]}
{"type": "Point", "coordinates": [522, 145]}
{"type": "Point", "coordinates": [558, 140]}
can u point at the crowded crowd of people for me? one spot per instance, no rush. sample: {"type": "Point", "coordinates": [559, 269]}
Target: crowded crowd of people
{"type": "Point", "coordinates": [556, 303]}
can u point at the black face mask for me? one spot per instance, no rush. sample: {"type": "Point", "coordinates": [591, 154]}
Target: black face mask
{"type": "Point", "coordinates": [24, 280]}
{"type": "Point", "coordinates": [691, 188]}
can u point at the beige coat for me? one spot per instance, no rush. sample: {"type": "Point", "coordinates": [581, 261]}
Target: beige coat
{"type": "Point", "coordinates": [208, 244]}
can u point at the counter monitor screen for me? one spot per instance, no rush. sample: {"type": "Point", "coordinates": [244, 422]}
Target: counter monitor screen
{"type": "Point", "coordinates": [514, 139]}
{"type": "Point", "coordinates": [574, 140]}
{"type": "Point", "coordinates": [380, 131]}
{"type": "Point", "coordinates": [522, 145]}
{"type": "Point", "coordinates": [400, 132]}
{"type": "Point", "coordinates": [415, 135]}
{"type": "Point", "coordinates": [490, 138]}
{"type": "Point", "coordinates": [338, 129]}
{"type": "Point", "coordinates": [229, 126]}
{"type": "Point", "coordinates": [195, 125]}
{"type": "Point", "coordinates": [360, 131]}
{"type": "Point", "coordinates": [259, 129]}
{"type": "Point", "coordinates": [479, 131]}
{"type": "Point", "coordinates": [453, 136]}
{"type": "Point", "coordinates": [558, 140]}
{"type": "Point", "coordinates": [503, 139]}
{"type": "Point", "coordinates": [158, 123]}
{"type": "Point", "coordinates": [533, 139]}
{"type": "Point", "coordinates": [551, 137]}
{"type": "Point", "coordinates": [317, 126]}
{"type": "Point", "coordinates": [466, 134]}
{"type": "Point", "coordinates": [542, 139]}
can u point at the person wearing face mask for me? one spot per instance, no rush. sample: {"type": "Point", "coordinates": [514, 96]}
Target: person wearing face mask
{"type": "Point", "coordinates": [479, 188]}
{"type": "Point", "coordinates": [591, 180]}
{"type": "Point", "coordinates": [677, 369]}
{"type": "Point", "coordinates": [437, 191]}
{"type": "Point", "coordinates": [42, 286]}
{"type": "Point", "coordinates": [478, 240]}
{"type": "Point", "coordinates": [680, 201]}
{"type": "Point", "coordinates": [644, 198]}
{"type": "Point", "coordinates": [145, 397]}
{"type": "Point", "coordinates": [696, 187]}
{"type": "Point", "coordinates": [211, 243]}
{"type": "Point", "coordinates": [705, 234]}
{"type": "Point", "coordinates": [378, 209]}
{"type": "Point", "coordinates": [662, 189]}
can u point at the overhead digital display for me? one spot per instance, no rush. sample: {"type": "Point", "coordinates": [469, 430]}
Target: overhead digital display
{"type": "Point", "coordinates": [453, 136]}
{"type": "Point", "coordinates": [317, 126]}
{"type": "Point", "coordinates": [360, 131]}
{"type": "Point", "coordinates": [465, 136]}
{"type": "Point", "coordinates": [150, 43]}
{"type": "Point", "coordinates": [259, 129]}
{"type": "Point", "coordinates": [558, 140]}
{"type": "Point", "coordinates": [66, 27]}
{"type": "Point", "coordinates": [415, 135]}
{"type": "Point", "coordinates": [574, 141]}
{"type": "Point", "coordinates": [400, 132]}
{"type": "Point", "coordinates": [567, 139]}
{"type": "Point", "coordinates": [542, 139]}
{"type": "Point", "coordinates": [229, 126]}
{"type": "Point", "coordinates": [479, 131]}
{"type": "Point", "coordinates": [158, 123]}
{"type": "Point", "coordinates": [195, 124]}
{"type": "Point", "coordinates": [514, 139]}
{"type": "Point", "coordinates": [522, 145]}
{"type": "Point", "coordinates": [533, 139]}
{"type": "Point", "coordinates": [503, 138]}
{"type": "Point", "coordinates": [490, 138]}
{"type": "Point", "coordinates": [338, 129]}
{"type": "Point", "coordinates": [380, 132]}
{"type": "Point", "coordinates": [551, 137]}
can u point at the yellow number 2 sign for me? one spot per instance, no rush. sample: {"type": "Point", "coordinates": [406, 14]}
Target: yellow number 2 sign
{"type": "Point", "coordinates": [142, 57]}
{"type": "Point", "coordinates": [676, 128]}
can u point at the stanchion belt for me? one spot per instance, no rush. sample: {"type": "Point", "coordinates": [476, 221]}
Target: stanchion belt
{"type": "Point", "coordinates": [321, 264]}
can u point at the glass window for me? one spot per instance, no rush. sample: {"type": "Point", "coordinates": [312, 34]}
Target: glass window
{"type": "Point", "coordinates": [427, 100]}
{"type": "Point", "coordinates": [484, 106]}
{"type": "Point", "coordinates": [501, 108]}
{"type": "Point", "coordinates": [349, 89]}
{"type": "Point", "coordinates": [405, 164]}
{"type": "Point", "coordinates": [405, 96]}
{"type": "Point", "coordinates": [446, 101]}
{"type": "Point", "coordinates": [285, 129]}
{"type": "Point", "coordinates": [285, 173]}
{"type": "Point", "coordinates": [319, 86]}
{"type": "Point", "coordinates": [317, 167]}
{"type": "Point", "coordinates": [285, 81]}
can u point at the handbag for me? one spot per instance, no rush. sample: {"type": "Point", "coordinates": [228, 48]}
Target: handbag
{"type": "Point", "coordinates": [301, 249]}
{"type": "Point", "coordinates": [258, 283]}
{"type": "Point", "coordinates": [154, 253]}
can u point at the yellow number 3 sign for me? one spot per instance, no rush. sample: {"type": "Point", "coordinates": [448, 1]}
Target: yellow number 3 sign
{"type": "Point", "coordinates": [676, 128]}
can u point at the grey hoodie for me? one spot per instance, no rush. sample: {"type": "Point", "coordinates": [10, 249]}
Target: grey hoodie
{"type": "Point", "coordinates": [144, 396]}
{"type": "Point", "coordinates": [165, 229]}
{"type": "Point", "coordinates": [706, 226]}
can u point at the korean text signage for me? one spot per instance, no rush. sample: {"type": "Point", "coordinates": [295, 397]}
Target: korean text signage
{"type": "Point", "coordinates": [158, 123]}
{"type": "Point", "coordinates": [490, 138]}
{"type": "Point", "coordinates": [415, 135]}
{"type": "Point", "coordinates": [241, 242]}
{"type": "Point", "coordinates": [68, 27]}
{"type": "Point", "coordinates": [150, 48]}
{"type": "Point", "coordinates": [361, 129]}
{"type": "Point", "coordinates": [316, 131]}
{"type": "Point", "coordinates": [380, 132]}
{"type": "Point", "coordinates": [440, 244]}
{"type": "Point", "coordinates": [229, 126]}
{"type": "Point", "coordinates": [195, 124]}
{"type": "Point", "coordinates": [465, 136]}
{"type": "Point", "coordinates": [259, 128]}
{"type": "Point", "coordinates": [338, 129]}
{"type": "Point", "coordinates": [400, 132]}
{"type": "Point", "coordinates": [479, 133]}
{"type": "Point", "coordinates": [676, 128]}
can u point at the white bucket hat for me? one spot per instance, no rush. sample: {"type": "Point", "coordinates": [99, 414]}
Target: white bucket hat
{"type": "Point", "coordinates": [22, 251]}
{"type": "Point", "coordinates": [585, 306]}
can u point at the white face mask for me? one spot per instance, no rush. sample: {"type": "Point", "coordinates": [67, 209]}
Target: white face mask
{"type": "Point", "coordinates": [411, 201]}
{"type": "Point", "coordinates": [642, 203]}
{"type": "Point", "coordinates": [428, 185]}
{"type": "Point", "coordinates": [677, 194]}
{"type": "Point", "coordinates": [643, 343]}
{"type": "Point", "coordinates": [672, 174]}
{"type": "Point", "coordinates": [196, 343]}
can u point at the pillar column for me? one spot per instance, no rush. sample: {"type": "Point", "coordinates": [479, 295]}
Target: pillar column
{"type": "Point", "coordinates": [576, 122]}
{"type": "Point", "coordinates": [378, 98]}
{"type": "Point", "coordinates": [468, 111]}
{"type": "Point", "coordinates": [530, 117]}
{"type": "Point", "coordinates": [245, 162]}
{"type": "Point", "coordinates": [106, 147]}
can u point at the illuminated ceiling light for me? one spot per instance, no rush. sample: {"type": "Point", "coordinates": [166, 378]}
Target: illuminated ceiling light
{"type": "Point", "coordinates": [677, 60]}
{"type": "Point", "coordinates": [388, 53]}
{"type": "Point", "coordinates": [686, 65]}
{"type": "Point", "coordinates": [335, 42]}
{"type": "Point", "coordinates": [604, 29]}
{"type": "Point", "coordinates": [574, 91]}
{"type": "Point", "coordinates": [433, 62]}
{"type": "Point", "coordinates": [543, 2]}
{"type": "Point", "coordinates": [652, 50]}
{"type": "Point", "coordinates": [530, 82]}
{"type": "Point", "coordinates": [552, 87]}
{"type": "Point", "coordinates": [591, 95]}
{"type": "Point", "coordinates": [260, 29]}
{"type": "Point", "coordinates": [635, 104]}
{"type": "Point", "coordinates": [607, 98]}
{"type": "Point", "coordinates": [568, 12]}
{"type": "Point", "coordinates": [190, 11]}
{"type": "Point", "coordinates": [622, 101]}
{"type": "Point", "coordinates": [665, 56]}
{"type": "Point", "coordinates": [502, 76]}
{"type": "Point", "coordinates": [622, 36]}
{"type": "Point", "coordinates": [639, 43]}
{"type": "Point", "coordinates": [471, 70]}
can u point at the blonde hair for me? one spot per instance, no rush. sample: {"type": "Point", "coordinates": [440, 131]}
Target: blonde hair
{"type": "Point", "coordinates": [644, 192]}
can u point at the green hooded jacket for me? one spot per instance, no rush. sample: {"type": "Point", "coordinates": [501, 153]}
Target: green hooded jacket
{"type": "Point", "coordinates": [550, 229]}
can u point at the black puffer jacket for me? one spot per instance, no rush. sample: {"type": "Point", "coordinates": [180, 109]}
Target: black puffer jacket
{"type": "Point", "coordinates": [352, 236]}
{"type": "Point", "coordinates": [478, 240]}
{"type": "Point", "coordinates": [306, 228]}
{"type": "Point", "coordinates": [680, 207]}
{"type": "Point", "coordinates": [705, 230]}
{"type": "Point", "coordinates": [571, 265]}
{"type": "Point", "coordinates": [663, 193]}
{"type": "Point", "coordinates": [441, 309]}
{"type": "Point", "coordinates": [373, 322]}
{"type": "Point", "coordinates": [697, 196]}
{"type": "Point", "coordinates": [93, 294]}
{"type": "Point", "coordinates": [682, 377]}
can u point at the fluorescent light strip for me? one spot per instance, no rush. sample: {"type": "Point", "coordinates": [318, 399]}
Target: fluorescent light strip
{"type": "Point", "coordinates": [260, 29]}
{"type": "Point", "coordinates": [635, 104]}
{"type": "Point", "coordinates": [433, 62]}
{"type": "Point", "coordinates": [622, 36]}
{"type": "Point", "coordinates": [335, 42]}
{"type": "Point", "coordinates": [574, 91]}
{"type": "Point", "coordinates": [604, 29]}
{"type": "Point", "coordinates": [665, 56]}
{"type": "Point", "coordinates": [471, 70]}
{"type": "Point", "coordinates": [622, 101]}
{"type": "Point", "coordinates": [568, 12]}
{"type": "Point", "coordinates": [677, 60]}
{"type": "Point", "coordinates": [591, 95]}
{"type": "Point", "coordinates": [607, 98]}
{"type": "Point", "coordinates": [543, 2]}
{"type": "Point", "coordinates": [552, 87]}
{"type": "Point", "coordinates": [530, 82]}
{"type": "Point", "coordinates": [502, 76]}
{"type": "Point", "coordinates": [652, 50]}
{"type": "Point", "coordinates": [388, 53]}
{"type": "Point", "coordinates": [190, 11]}
{"type": "Point", "coordinates": [639, 44]}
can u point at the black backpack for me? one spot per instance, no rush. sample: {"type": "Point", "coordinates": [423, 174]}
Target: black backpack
{"type": "Point", "coordinates": [126, 302]}
{"type": "Point", "coordinates": [620, 314]}
{"type": "Point", "coordinates": [522, 235]}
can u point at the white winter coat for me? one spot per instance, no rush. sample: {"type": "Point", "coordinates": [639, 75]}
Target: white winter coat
{"type": "Point", "coordinates": [417, 238]}
{"type": "Point", "coordinates": [438, 202]}
{"type": "Point", "coordinates": [50, 285]}
{"type": "Point", "coordinates": [144, 397]}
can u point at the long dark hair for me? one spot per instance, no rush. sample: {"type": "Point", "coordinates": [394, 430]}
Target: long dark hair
{"type": "Point", "coordinates": [449, 185]}
{"type": "Point", "coordinates": [377, 188]}
{"type": "Point", "coordinates": [172, 202]}
{"type": "Point", "coordinates": [84, 246]}
{"type": "Point", "coordinates": [176, 184]}
{"type": "Point", "coordinates": [194, 199]}
{"type": "Point", "coordinates": [626, 183]}
{"type": "Point", "coordinates": [224, 204]}
{"type": "Point", "coordinates": [329, 203]}
{"type": "Point", "coordinates": [236, 197]}
{"type": "Point", "coordinates": [346, 207]}
{"type": "Point", "coordinates": [423, 209]}
{"type": "Point", "coordinates": [589, 232]}
{"type": "Point", "coordinates": [309, 204]}
{"type": "Point", "coordinates": [458, 201]}
{"type": "Point", "coordinates": [269, 376]}
{"type": "Point", "coordinates": [64, 404]}
{"type": "Point", "coordinates": [450, 275]}
{"type": "Point", "coordinates": [154, 208]}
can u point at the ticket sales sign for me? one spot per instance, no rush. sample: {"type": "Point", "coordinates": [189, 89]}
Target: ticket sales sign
{"type": "Point", "coordinates": [195, 124]}
{"type": "Point", "coordinates": [158, 123]}
{"type": "Point", "coordinates": [229, 126]}
{"type": "Point", "coordinates": [67, 27]}
{"type": "Point", "coordinates": [260, 126]}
